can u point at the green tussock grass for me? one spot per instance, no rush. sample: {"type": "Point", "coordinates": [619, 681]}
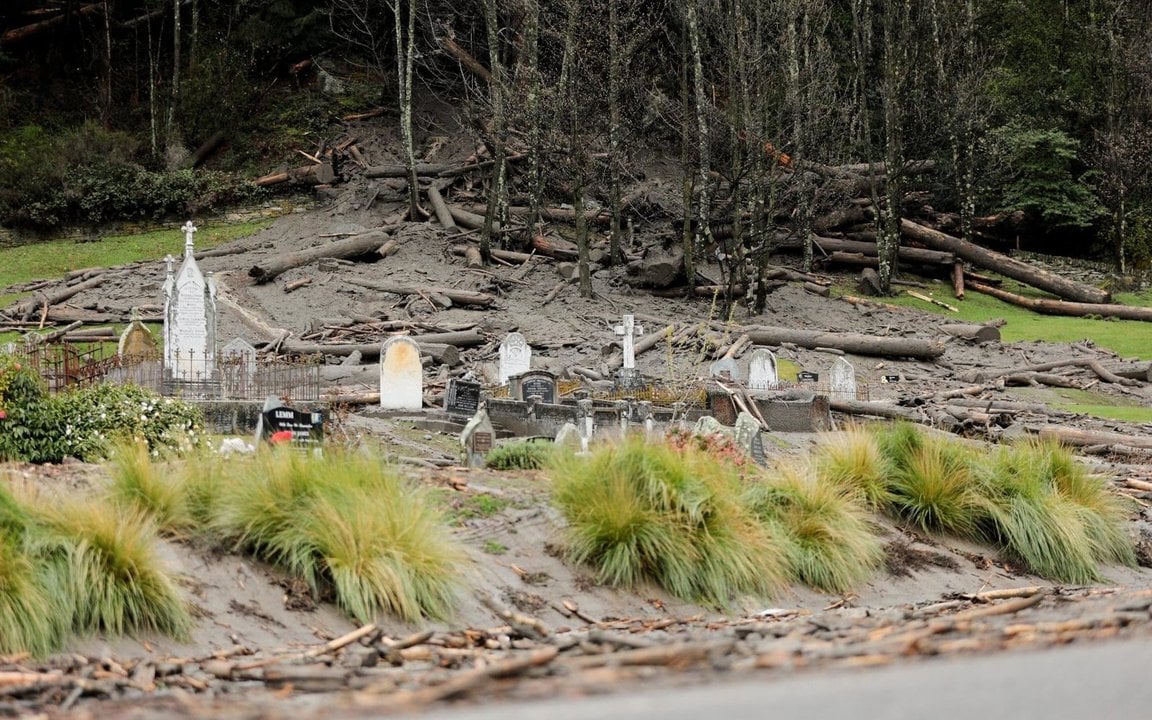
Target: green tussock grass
{"type": "Point", "coordinates": [346, 522]}
{"type": "Point", "coordinates": [829, 541]}
{"type": "Point", "coordinates": [1126, 337]}
{"type": "Point", "coordinates": [36, 261]}
{"type": "Point", "coordinates": [29, 620]}
{"type": "Point", "coordinates": [853, 460]}
{"type": "Point", "coordinates": [933, 488]}
{"type": "Point", "coordinates": [148, 488]}
{"type": "Point", "coordinates": [521, 455]}
{"type": "Point", "coordinates": [1033, 499]}
{"type": "Point", "coordinates": [678, 517]}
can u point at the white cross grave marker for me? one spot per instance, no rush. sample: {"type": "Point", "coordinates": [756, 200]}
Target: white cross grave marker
{"type": "Point", "coordinates": [628, 330]}
{"type": "Point", "coordinates": [189, 230]}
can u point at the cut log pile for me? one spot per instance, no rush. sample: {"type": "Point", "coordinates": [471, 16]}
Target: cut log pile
{"type": "Point", "coordinates": [523, 654]}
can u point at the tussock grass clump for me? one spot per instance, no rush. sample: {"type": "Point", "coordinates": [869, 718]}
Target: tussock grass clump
{"type": "Point", "coordinates": [639, 511]}
{"type": "Point", "coordinates": [1045, 508]}
{"type": "Point", "coordinates": [933, 488]}
{"type": "Point", "coordinates": [347, 522]}
{"type": "Point", "coordinates": [102, 562]}
{"type": "Point", "coordinates": [28, 618]}
{"type": "Point", "coordinates": [521, 455]}
{"type": "Point", "coordinates": [147, 488]}
{"type": "Point", "coordinates": [829, 542]}
{"type": "Point", "coordinates": [854, 460]}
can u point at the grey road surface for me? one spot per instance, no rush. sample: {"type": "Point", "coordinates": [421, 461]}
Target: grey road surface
{"type": "Point", "coordinates": [1109, 681]}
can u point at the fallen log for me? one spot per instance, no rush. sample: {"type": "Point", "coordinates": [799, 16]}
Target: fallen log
{"type": "Point", "coordinates": [958, 280]}
{"type": "Point", "coordinates": [555, 248]}
{"type": "Point", "coordinates": [471, 221]}
{"type": "Point", "coordinates": [853, 343]}
{"type": "Point", "coordinates": [1079, 437]}
{"type": "Point", "coordinates": [319, 174]}
{"type": "Point", "coordinates": [354, 246]}
{"type": "Point", "coordinates": [905, 254]}
{"type": "Point", "coordinates": [972, 332]}
{"type": "Point", "coordinates": [440, 352]}
{"type": "Point", "coordinates": [1015, 269]}
{"type": "Point", "coordinates": [1088, 363]}
{"type": "Point", "coordinates": [458, 297]}
{"type": "Point", "coordinates": [875, 409]}
{"type": "Point", "coordinates": [23, 310]}
{"type": "Point", "coordinates": [1065, 307]}
{"type": "Point", "coordinates": [440, 208]}
{"type": "Point", "coordinates": [565, 215]}
{"type": "Point", "coordinates": [21, 33]}
{"type": "Point", "coordinates": [505, 255]}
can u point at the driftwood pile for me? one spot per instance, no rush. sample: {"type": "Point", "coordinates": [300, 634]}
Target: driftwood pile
{"type": "Point", "coordinates": [524, 657]}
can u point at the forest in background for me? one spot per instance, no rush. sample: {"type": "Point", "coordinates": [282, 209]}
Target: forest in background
{"type": "Point", "coordinates": [1025, 121]}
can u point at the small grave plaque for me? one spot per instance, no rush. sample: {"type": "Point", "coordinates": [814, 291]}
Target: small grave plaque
{"type": "Point", "coordinates": [891, 378]}
{"type": "Point", "coordinates": [537, 382]}
{"type": "Point", "coordinates": [284, 425]}
{"type": "Point", "coordinates": [462, 397]}
{"type": "Point", "coordinates": [721, 406]}
{"type": "Point", "coordinates": [477, 438]}
{"type": "Point", "coordinates": [805, 376]}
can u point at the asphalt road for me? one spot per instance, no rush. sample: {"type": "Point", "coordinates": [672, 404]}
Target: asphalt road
{"type": "Point", "coordinates": [1108, 681]}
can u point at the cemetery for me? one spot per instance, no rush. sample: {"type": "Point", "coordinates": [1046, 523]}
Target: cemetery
{"type": "Point", "coordinates": [386, 402]}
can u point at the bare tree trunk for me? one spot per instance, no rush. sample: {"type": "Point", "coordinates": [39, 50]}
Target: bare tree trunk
{"type": "Point", "coordinates": [688, 183]}
{"type": "Point", "coordinates": [152, 123]}
{"type": "Point", "coordinates": [530, 63]}
{"type": "Point", "coordinates": [496, 94]}
{"type": "Point", "coordinates": [174, 98]}
{"type": "Point", "coordinates": [615, 253]}
{"type": "Point", "coordinates": [703, 200]}
{"type": "Point", "coordinates": [888, 227]}
{"type": "Point", "coordinates": [405, 54]}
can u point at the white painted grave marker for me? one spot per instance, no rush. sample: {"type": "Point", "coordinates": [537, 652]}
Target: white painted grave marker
{"type": "Point", "coordinates": [762, 373]}
{"type": "Point", "coordinates": [628, 331]}
{"type": "Point", "coordinates": [401, 375]}
{"type": "Point", "coordinates": [842, 380]}
{"type": "Point", "coordinates": [189, 318]}
{"type": "Point", "coordinates": [515, 356]}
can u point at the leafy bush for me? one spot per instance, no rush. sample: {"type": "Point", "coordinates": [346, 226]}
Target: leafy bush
{"type": "Point", "coordinates": [90, 175]}
{"type": "Point", "coordinates": [521, 455]}
{"type": "Point", "coordinates": [677, 516]}
{"type": "Point", "coordinates": [830, 542]}
{"type": "Point", "coordinates": [40, 427]}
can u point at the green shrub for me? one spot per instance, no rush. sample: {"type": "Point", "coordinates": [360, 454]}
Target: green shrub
{"type": "Point", "coordinates": [521, 455]}
{"type": "Point", "coordinates": [639, 511]}
{"type": "Point", "coordinates": [40, 427]}
{"type": "Point", "coordinates": [830, 542]}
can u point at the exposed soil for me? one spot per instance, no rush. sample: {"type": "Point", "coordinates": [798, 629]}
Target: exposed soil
{"type": "Point", "coordinates": [242, 604]}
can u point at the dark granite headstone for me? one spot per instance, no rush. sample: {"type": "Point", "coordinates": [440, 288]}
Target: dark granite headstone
{"type": "Point", "coordinates": [721, 407]}
{"type": "Point", "coordinates": [287, 425]}
{"type": "Point", "coordinates": [538, 383]}
{"type": "Point", "coordinates": [462, 397]}
{"type": "Point", "coordinates": [756, 449]}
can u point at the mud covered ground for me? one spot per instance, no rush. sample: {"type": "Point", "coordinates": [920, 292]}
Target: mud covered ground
{"type": "Point", "coordinates": [925, 602]}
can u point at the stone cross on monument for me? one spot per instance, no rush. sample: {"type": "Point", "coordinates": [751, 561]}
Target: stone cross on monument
{"type": "Point", "coordinates": [189, 230]}
{"type": "Point", "coordinates": [628, 330]}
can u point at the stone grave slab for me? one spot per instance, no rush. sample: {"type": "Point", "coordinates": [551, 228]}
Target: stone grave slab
{"type": "Point", "coordinates": [762, 373]}
{"type": "Point", "coordinates": [515, 356]}
{"type": "Point", "coordinates": [725, 368]}
{"type": "Point", "coordinates": [842, 380]}
{"type": "Point", "coordinates": [462, 397]}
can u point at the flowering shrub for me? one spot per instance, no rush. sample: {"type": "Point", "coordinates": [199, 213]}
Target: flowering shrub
{"type": "Point", "coordinates": [720, 447]}
{"type": "Point", "coordinates": [40, 427]}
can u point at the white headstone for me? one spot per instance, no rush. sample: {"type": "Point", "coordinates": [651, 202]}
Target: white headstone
{"type": "Point", "coordinates": [401, 375]}
{"type": "Point", "coordinates": [762, 373]}
{"type": "Point", "coordinates": [842, 380]}
{"type": "Point", "coordinates": [515, 356]}
{"type": "Point", "coordinates": [627, 330]}
{"type": "Point", "coordinates": [725, 368]}
{"type": "Point", "coordinates": [190, 319]}
{"type": "Point", "coordinates": [238, 363]}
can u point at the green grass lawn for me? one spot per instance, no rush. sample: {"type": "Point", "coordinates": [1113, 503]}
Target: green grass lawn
{"type": "Point", "coordinates": [1129, 338]}
{"type": "Point", "coordinates": [43, 261]}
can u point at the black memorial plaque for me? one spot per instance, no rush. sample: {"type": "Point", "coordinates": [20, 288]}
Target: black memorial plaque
{"type": "Point", "coordinates": [462, 397]}
{"type": "Point", "coordinates": [540, 384]}
{"type": "Point", "coordinates": [287, 425]}
{"type": "Point", "coordinates": [805, 376]}
{"type": "Point", "coordinates": [891, 378]}
{"type": "Point", "coordinates": [481, 442]}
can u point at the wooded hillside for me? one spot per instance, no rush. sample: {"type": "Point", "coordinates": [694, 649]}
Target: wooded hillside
{"type": "Point", "coordinates": [1026, 123]}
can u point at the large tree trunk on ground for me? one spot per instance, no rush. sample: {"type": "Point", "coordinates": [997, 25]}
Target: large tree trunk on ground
{"type": "Point", "coordinates": [354, 246]}
{"type": "Point", "coordinates": [1005, 265]}
{"type": "Point", "coordinates": [848, 342]}
{"type": "Point", "coordinates": [1076, 436]}
{"type": "Point", "coordinates": [440, 352]}
{"type": "Point", "coordinates": [978, 333]}
{"type": "Point", "coordinates": [322, 174]}
{"type": "Point", "coordinates": [24, 310]}
{"type": "Point", "coordinates": [505, 255]}
{"type": "Point", "coordinates": [459, 297]}
{"type": "Point", "coordinates": [1064, 307]}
